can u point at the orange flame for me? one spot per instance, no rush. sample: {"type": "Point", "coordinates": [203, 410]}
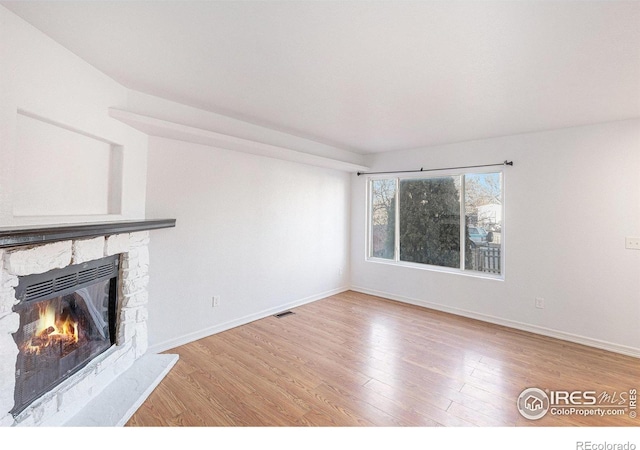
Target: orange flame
{"type": "Point", "coordinates": [51, 329]}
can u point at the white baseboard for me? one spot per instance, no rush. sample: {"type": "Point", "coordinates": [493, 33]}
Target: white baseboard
{"type": "Point", "coordinates": [194, 336]}
{"type": "Point", "coordinates": [584, 340]}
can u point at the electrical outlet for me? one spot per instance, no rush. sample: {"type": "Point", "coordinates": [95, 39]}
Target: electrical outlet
{"type": "Point", "coordinates": [215, 301]}
{"type": "Point", "coordinates": [539, 303]}
{"type": "Point", "coordinates": [632, 243]}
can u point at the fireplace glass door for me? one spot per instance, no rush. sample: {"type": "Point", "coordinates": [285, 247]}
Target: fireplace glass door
{"type": "Point", "coordinates": [62, 330]}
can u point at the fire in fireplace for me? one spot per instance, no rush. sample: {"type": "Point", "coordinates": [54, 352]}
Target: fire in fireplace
{"type": "Point", "coordinates": [67, 318]}
{"type": "Point", "coordinates": [56, 329]}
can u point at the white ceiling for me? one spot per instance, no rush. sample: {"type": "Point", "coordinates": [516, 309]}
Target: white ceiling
{"type": "Point", "coordinates": [367, 76]}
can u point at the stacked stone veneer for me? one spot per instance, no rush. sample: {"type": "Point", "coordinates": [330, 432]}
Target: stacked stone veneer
{"type": "Point", "coordinates": [56, 406]}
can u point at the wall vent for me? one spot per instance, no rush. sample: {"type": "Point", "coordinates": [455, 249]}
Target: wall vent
{"type": "Point", "coordinates": [62, 281]}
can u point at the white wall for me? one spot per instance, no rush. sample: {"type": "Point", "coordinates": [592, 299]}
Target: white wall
{"type": "Point", "coordinates": [261, 233]}
{"type": "Point", "coordinates": [571, 198]}
{"type": "Point", "coordinates": [43, 79]}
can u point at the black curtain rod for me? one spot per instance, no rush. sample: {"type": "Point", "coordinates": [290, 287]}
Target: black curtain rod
{"type": "Point", "coordinates": [505, 163]}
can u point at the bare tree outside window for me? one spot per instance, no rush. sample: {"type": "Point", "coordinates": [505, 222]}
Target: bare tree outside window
{"type": "Point", "coordinates": [383, 201]}
{"type": "Point", "coordinates": [483, 217]}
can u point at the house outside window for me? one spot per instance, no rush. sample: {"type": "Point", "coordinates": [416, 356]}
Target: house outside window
{"type": "Point", "coordinates": [452, 222]}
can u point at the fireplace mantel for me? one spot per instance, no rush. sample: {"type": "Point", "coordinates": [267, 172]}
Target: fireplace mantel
{"type": "Point", "coordinates": [42, 234]}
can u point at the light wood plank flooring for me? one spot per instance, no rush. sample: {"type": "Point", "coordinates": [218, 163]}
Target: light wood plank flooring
{"type": "Point", "coordinates": [358, 360]}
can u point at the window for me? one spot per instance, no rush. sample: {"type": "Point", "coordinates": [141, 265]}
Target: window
{"type": "Point", "coordinates": [450, 222]}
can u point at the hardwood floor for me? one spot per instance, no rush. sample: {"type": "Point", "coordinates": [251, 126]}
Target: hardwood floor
{"type": "Point", "coordinates": [358, 360]}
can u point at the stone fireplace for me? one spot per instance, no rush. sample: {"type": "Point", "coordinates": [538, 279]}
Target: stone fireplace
{"type": "Point", "coordinates": [73, 319]}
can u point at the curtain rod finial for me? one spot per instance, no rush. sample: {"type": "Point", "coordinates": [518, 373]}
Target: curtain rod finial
{"type": "Point", "coordinates": [508, 163]}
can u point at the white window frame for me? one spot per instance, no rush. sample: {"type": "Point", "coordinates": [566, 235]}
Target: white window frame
{"type": "Point", "coordinates": [396, 257]}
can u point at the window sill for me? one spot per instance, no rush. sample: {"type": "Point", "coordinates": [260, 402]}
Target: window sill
{"type": "Point", "coordinates": [430, 268]}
